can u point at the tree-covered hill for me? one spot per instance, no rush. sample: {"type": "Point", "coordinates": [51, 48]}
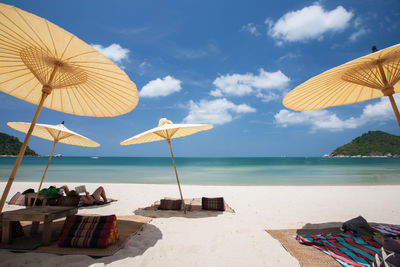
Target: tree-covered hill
{"type": "Point", "coordinates": [10, 145]}
{"type": "Point", "coordinates": [373, 143]}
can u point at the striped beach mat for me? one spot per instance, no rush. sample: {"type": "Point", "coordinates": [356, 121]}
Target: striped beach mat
{"type": "Point", "coordinates": [346, 248]}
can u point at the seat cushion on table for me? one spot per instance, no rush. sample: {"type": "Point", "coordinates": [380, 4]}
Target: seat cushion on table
{"type": "Point", "coordinates": [18, 199]}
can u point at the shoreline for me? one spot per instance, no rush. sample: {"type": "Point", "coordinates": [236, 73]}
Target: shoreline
{"type": "Point", "coordinates": [210, 185]}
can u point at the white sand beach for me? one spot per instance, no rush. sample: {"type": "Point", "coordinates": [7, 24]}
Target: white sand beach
{"type": "Point", "coordinates": [220, 239]}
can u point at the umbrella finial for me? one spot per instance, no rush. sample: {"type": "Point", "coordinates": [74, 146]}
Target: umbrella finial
{"type": "Point", "coordinates": [374, 49]}
{"type": "Point", "coordinates": [163, 121]}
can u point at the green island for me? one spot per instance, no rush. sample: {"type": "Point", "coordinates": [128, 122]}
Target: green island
{"type": "Point", "coordinates": [371, 144]}
{"type": "Point", "coordinates": [10, 145]}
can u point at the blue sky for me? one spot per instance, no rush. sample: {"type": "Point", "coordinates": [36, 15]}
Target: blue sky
{"type": "Point", "coordinates": [226, 63]}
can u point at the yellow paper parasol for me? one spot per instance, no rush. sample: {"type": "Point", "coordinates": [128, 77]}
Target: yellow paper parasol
{"type": "Point", "coordinates": [43, 64]}
{"type": "Point", "coordinates": [56, 133]}
{"type": "Point", "coordinates": [167, 130]}
{"type": "Point", "coordinates": [368, 77]}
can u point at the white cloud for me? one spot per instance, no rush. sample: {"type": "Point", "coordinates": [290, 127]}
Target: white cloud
{"type": "Point", "coordinates": [261, 85]}
{"type": "Point", "coordinates": [251, 28]}
{"type": "Point", "coordinates": [115, 52]}
{"type": "Point", "coordinates": [218, 111]}
{"type": "Point", "coordinates": [360, 29]}
{"type": "Point", "coordinates": [161, 87]}
{"type": "Point", "coordinates": [326, 120]}
{"type": "Point", "coordinates": [311, 22]}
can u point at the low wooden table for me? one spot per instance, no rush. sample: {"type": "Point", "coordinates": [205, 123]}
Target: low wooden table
{"type": "Point", "coordinates": [31, 197]}
{"type": "Point", "coordinates": [45, 214]}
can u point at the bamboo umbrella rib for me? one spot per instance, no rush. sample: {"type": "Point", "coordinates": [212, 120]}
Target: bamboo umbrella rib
{"type": "Point", "coordinates": [8, 41]}
{"type": "Point", "coordinates": [103, 76]}
{"type": "Point", "coordinates": [115, 93]}
{"type": "Point", "coordinates": [20, 76]}
{"type": "Point", "coordinates": [68, 92]}
{"type": "Point", "coordinates": [22, 83]}
{"type": "Point", "coordinates": [23, 39]}
{"type": "Point", "coordinates": [78, 99]}
{"type": "Point", "coordinates": [84, 53]}
{"type": "Point", "coordinates": [67, 46]}
{"type": "Point", "coordinates": [113, 87]}
{"type": "Point", "coordinates": [52, 38]}
{"type": "Point", "coordinates": [13, 71]}
{"type": "Point", "coordinates": [109, 100]}
{"type": "Point", "coordinates": [34, 32]}
{"type": "Point", "coordinates": [30, 92]}
{"type": "Point", "coordinates": [83, 100]}
{"type": "Point", "coordinates": [92, 98]}
{"type": "Point", "coordinates": [54, 135]}
{"type": "Point", "coordinates": [173, 132]}
{"type": "Point", "coordinates": [88, 67]}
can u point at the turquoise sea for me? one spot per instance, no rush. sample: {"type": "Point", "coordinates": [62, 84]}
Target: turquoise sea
{"type": "Point", "coordinates": [209, 171]}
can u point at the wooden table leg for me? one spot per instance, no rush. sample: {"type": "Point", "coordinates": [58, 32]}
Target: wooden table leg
{"type": "Point", "coordinates": [34, 228]}
{"type": "Point", "coordinates": [46, 232]}
{"type": "Point", "coordinates": [6, 232]}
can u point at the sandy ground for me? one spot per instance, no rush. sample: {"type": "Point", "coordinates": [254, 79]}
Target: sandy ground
{"type": "Point", "coordinates": [220, 239]}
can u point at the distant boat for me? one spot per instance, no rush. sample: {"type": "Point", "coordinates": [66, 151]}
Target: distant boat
{"type": "Point", "coordinates": [94, 157]}
{"type": "Point", "coordinates": [57, 156]}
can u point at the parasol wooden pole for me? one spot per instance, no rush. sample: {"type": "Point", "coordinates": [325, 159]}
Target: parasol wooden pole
{"type": "Point", "coordinates": [395, 109]}
{"type": "Point", "coordinates": [46, 90]}
{"type": "Point", "coordinates": [388, 91]}
{"type": "Point", "coordinates": [22, 151]}
{"type": "Point", "coordinates": [176, 173]}
{"type": "Point", "coordinates": [45, 171]}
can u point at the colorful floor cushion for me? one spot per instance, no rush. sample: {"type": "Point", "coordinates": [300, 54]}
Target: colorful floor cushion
{"type": "Point", "coordinates": [216, 203]}
{"type": "Point", "coordinates": [89, 231]}
{"type": "Point", "coordinates": [18, 199]}
{"type": "Point", "coordinates": [346, 248]}
{"type": "Point", "coordinates": [69, 201]}
{"type": "Point", "coordinates": [170, 204]}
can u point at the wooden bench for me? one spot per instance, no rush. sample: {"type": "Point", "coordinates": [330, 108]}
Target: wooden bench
{"type": "Point", "coordinates": [44, 198]}
{"type": "Point", "coordinates": [45, 214]}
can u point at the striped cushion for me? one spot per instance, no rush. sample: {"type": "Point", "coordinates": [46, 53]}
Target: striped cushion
{"type": "Point", "coordinates": [169, 204]}
{"type": "Point", "coordinates": [216, 203]}
{"type": "Point", "coordinates": [17, 199]}
{"type": "Point", "coordinates": [69, 201]}
{"type": "Point", "coordinates": [89, 231]}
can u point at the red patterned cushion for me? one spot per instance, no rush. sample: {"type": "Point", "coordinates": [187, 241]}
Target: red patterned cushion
{"type": "Point", "coordinates": [169, 204]}
{"type": "Point", "coordinates": [216, 203]}
{"type": "Point", "coordinates": [89, 231]}
{"type": "Point", "coordinates": [17, 199]}
{"type": "Point", "coordinates": [69, 201]}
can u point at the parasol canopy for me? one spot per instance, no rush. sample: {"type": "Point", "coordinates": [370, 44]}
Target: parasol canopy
{"type": "Point", "coordinates": [167, 130]}
{"type": "Point", "coordinates": [56, 133]}
{"type": "Point", "coordinates": [372, 76]}
{"type": "Point", "coordinates": [45, 65]}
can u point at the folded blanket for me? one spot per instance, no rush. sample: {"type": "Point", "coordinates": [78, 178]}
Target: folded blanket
{"type": "Point", "coordinates": [388, 229]}
{"type": "Point", "coordinates": [346, 248]}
